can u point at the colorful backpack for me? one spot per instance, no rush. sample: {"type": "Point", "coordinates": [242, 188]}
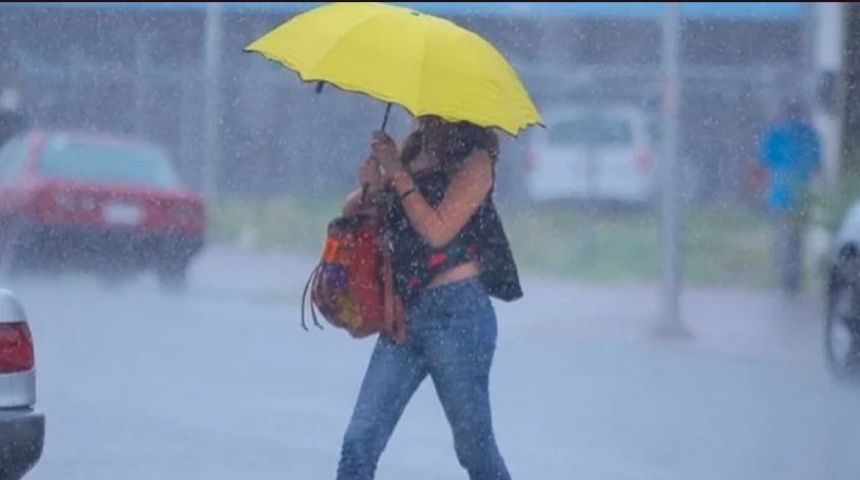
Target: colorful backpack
{"type": "Point", "coordinates": [353, 285]}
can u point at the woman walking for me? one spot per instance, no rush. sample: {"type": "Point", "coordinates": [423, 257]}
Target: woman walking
{"type": "Point", "coordinates": [450, 255]}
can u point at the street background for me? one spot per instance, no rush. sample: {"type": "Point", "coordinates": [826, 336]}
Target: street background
{"type": "Point", "coordinates": [221, 382]}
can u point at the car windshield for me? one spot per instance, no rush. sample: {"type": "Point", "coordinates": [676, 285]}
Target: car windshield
{"type": "Point", "coordinates": [107, 162]}
{"type": "Point", "coordinates": [590, 130]}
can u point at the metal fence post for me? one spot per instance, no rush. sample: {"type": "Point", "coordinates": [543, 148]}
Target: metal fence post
{"type": "Point", "coordinates": [671, 323]}
{"type": "Point", "coordinates": [212, 65]}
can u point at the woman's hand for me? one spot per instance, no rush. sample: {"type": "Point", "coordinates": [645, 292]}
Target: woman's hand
{"type": "Point", "coordinates": [384, 150]}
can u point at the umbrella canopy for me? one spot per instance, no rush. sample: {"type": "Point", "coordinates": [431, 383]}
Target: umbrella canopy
{"type": "Point", "coordinates": [426, 64]}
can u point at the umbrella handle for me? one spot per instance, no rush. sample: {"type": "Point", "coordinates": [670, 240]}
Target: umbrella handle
{"type": "Point", "coordinates": [365, 187]}
{"type": "Point", "coordinates": [385, 119]}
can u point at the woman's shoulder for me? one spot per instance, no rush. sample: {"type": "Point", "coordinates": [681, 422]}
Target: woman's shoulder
{"type": "Point", "coordinates": [482, 158]}
{"type": "Point", "coordinates": [477, 167]}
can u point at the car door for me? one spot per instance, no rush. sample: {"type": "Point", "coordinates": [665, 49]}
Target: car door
{"type": "Point", "coordinates": [588, 154]}
{"type": "Point", "coordinates": [620, 152]}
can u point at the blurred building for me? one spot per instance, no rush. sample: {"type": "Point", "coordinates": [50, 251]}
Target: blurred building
{"type": "Point", "coordinates": [137, 68]}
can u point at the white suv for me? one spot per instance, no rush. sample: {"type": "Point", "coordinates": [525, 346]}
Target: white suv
{"type": "Point", "coordinates": [22, 428]}
{"type": "Point", "coordinates": [591, 153]}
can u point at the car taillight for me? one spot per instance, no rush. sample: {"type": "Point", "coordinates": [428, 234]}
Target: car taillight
{"type": "Point", "coordinates": [16, 348]}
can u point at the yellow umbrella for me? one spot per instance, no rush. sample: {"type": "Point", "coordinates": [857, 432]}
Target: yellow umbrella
{"type": "Point", "coordinates": [426, 64]}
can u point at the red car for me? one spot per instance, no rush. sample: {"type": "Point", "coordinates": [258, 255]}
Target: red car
{"type": "Point", "coordinates": [109, 205]}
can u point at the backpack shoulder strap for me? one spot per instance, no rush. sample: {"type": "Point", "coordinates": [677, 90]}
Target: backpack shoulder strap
{"type": "Point", "coordinates": [393, 320]}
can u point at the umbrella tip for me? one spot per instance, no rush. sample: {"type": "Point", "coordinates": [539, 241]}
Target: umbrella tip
{"type": "Point", "coordinates": [319, 87]}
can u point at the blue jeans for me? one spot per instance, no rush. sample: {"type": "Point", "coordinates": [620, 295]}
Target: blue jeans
{"type": "Point", "coordinates": [451, 335]}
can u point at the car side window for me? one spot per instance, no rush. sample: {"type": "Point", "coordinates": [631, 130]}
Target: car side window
{"type": "Point", "coordinates": [13, 159]}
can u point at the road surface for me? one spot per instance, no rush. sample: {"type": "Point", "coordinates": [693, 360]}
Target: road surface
{"type": "Point", "coordinates": [222, 383]}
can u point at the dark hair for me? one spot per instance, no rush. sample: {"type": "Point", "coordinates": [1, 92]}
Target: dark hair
{"type": "Point", "coordinates": [411, 147]}
{"type": "Point", "coordinates": [461, 140]}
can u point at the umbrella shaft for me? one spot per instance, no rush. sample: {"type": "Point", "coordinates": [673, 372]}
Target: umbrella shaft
{"type": "Point", "coordinates": [385, 119]}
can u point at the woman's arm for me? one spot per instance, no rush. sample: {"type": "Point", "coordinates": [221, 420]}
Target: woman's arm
{"type": "Point", "coordinates": [467, 190]}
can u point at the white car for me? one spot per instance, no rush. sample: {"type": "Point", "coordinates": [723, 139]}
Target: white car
{"type": "Point", "coordinates": [602, 154]}
{"type": "Point", "coordinates": [22, 427]}
{"type": "Point", "coordinates": [842, 295]}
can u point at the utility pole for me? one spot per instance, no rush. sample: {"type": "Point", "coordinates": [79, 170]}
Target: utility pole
{"type": "Point", "coordinates": [211, 81]}
{"type": "Point", "coordinates": [671, 323]}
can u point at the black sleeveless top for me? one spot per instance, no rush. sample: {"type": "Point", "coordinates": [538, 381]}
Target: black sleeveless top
{"type": "Point", "coordinates": [482, 239]}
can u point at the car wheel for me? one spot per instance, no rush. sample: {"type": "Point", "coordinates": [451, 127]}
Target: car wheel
{"type": "Point", "coordinates": [842, 329]}
{"type": "Point", "coordinates": [173, 278]}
